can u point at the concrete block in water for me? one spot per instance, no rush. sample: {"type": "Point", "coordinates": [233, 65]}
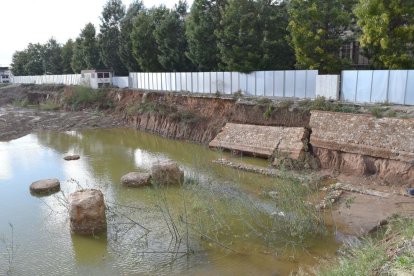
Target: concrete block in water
{"type": "Point", "coordinates": [87, 212]}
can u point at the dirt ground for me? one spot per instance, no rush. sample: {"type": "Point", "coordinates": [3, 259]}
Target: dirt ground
{"type": "Point", "coordinates": [17, 122]}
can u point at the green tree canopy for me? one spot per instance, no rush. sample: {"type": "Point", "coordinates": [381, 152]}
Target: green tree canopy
{"type": "Point", "coordinates": [86, 51]}
{"type": "Point", "coordinates": [52, 57]}
{"type": "Point", "coordinates": [387, 28]}
{"type": "Point", "coordinates": [67, 54]}
{"type": "Point", "coordinates": [169, 36]}
{"type": "Point", "coordinates": [125, 40]}
{"type": "Point", "coordinates": [109, 37]}
{"type": "Point", "coordinates": [144, 45]}
{"type": "Point", "coordinates": [19, 61]}
{"type": "Point", "coordinates": [253, 36]}
{"type": "Point", "coordinates": [30, 61]}
{"type": "Point", "coordinates": [203, 21]}
{"type": "Point", "coordinates": [318, 28]}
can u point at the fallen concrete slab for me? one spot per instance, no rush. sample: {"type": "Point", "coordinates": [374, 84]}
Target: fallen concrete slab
{"type": "Point", "coordinates": [264, 141]}
{"type": "Point", "coordinates": [388, 138]}
{"type": "Point", "coordinates": [360, 144]}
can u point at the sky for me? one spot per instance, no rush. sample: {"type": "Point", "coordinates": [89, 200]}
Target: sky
{"type": "Point", "coordinates": [35, 21]}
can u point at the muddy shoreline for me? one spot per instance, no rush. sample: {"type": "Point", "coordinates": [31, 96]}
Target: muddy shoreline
{"type": "Point", "coordinates": [16, 122]}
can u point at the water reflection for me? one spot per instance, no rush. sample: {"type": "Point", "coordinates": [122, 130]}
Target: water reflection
{"type": "Point", "coordinates": [90, 250]}
{"type": "Point", "coordinates": [42, 225]}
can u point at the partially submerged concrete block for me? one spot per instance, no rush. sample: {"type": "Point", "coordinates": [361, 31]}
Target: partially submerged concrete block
{"type": "Point", "coordinates": [166, 173]}
{"type": "Point", "coordinates": [136, 179]}
{"type": "Point", "coordinates": [264, 141]}
{"type": "Point", "coordinates": [45, 187]}
{"type": "Point", "coordinates": [87, 212]}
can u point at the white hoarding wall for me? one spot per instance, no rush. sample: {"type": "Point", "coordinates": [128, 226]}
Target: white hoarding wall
{"type": "Point", "coordinates": [73, 79]}
{"type": "Point", "coordinates": [378, 86]}
{"type": "Point", "coordinates": [298, 84]}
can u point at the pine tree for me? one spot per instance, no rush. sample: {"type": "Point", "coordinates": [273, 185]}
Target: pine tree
{"type": "Point", "coordinates": [67, 54]}
{"type": "Point", "coordinates": [169, 36]}
{"type": "Point", "coordinates": [201, 25]}
{"type": "Point", "coordinates": [125, 40]}
{"type": "Point", "coordinates": [52, 57]}
{"type": "Point", "coordinates": [144, 45]}
{"type": "Point", "coordinates": [109, 37]}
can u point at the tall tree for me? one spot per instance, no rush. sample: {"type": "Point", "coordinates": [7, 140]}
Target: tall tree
{"type": "Point", "coordinates": [67, 53]}
{"type": "Point", "coordinates": [78, 62]}
{"type": "Point", "coordinates": [169, 35]}
{"type": "Point", "coordinates": [52, 57]}
{"type": "Point", "coordinates": [203, 21]}
{"type": "Point", "coordinates": [387, 32]}
{"type": "Point", "coordinates": [35, 59]}
{"type": "Point", "coordinates": [318, 29]}
{"type": "Point", "coordinates": [277, 53]}
{"type": "Point", "coordinates": [86, 51]}
{"type": "Point", "coordinates": [240, 37]}
{"type": "Point", "coordinates": [19, 60]}
{"type": "Point", "coordinates": [109, 37]}
{"type": "Point", "coordinates": [125, 40]}
{"type": "Point", "coordinates": [253, 36]}
{"type": "Point", "coordinates": [144, 45]}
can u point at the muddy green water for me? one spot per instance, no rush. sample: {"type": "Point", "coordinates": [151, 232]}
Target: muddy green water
{"type": "Point", "coordinates": [35, 234]}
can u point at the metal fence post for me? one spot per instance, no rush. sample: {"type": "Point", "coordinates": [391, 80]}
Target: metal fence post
{"type": "Point", "coordinates": [388, 85]}
{"type": "Point", "coordinates": [406, 86]}
{"type": "Point", "coordinates": [356, 87]}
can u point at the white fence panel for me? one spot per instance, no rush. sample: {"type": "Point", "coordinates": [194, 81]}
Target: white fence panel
{"type": "Point", "coordinates": [364, 86]}
{"type": "Point", "coordinates": [393, 86]}
{"type": "Point", "coordinates": [349, 85]}
{"type": "Point", "coordinates": [327, 86]}
{"type": "Point", "coordinates": [380, 86]}
{"type": "Point", "coordinates": [409, 95]}
{"type": "Point", "coordinates": [121, 82]}
{"type": "Point", "coordinates": [260, 83]}
{"type": "Point", "coordinates": [300, 84]}
{"type": "Point", "coordinates": [397, 86]}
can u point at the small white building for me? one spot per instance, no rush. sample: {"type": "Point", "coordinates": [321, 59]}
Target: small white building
{"type": "Point", "coordinates": [5, 75]}
{"type": "Point", "coordinates": [97, 78]}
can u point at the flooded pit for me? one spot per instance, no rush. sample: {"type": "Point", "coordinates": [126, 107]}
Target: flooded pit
{"type": "Point", "coordinates": [221, 208]}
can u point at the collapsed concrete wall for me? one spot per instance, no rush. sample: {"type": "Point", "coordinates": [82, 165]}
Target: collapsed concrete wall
{"type": "Point", "coordinates": [361, 144]}
{"type": "Point", "coordinates": [264, 141]}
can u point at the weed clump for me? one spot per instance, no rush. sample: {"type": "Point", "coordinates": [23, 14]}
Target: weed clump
{"type": "Point", "coordinates": [78, 97]}
{"type": "Point", "coordinates": [389, 252]}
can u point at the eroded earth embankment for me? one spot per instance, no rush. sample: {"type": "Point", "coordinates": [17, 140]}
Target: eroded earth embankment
{"type": "Point", "coordinates": [354, 144]}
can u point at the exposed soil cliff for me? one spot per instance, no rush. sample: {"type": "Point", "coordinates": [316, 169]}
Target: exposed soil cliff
{"type": "Point", "coordinates": [198, 119]}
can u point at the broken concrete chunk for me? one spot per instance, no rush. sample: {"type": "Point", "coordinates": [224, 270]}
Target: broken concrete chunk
{"type": "Point", "coordinates": [87, 212]}
{"type": "Point", "coordinates": [166, 173]}
{"type": "Point", "coordinates": [136, 179]}
{"type": "Point", "coordinates": [45, 187]}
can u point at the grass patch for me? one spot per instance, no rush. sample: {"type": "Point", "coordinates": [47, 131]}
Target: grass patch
{"type": "Point", "coordinates": [185, 116]}
{"type": "Point", "coordinates": [390, 252]}
{"type": "Point", "coordinates": [320, 103]}
{"type": "Point", "coordinates": [377, 111]}
{"type": "Point", "coordinates": [49, 106]}
{"type": "Point", "coordinates": [21, 103]}
{"type": "Point", "coordinates": [79, 97]}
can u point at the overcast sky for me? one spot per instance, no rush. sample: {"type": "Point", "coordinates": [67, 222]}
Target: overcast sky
{"type": "Point", "coordinates": [25, 21]}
